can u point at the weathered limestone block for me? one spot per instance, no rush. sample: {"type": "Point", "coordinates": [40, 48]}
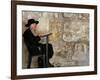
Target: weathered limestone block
{"type": "Point", "coordinates": [72, 54]}
{"type": "Point", "coordinates": [68, 14]}
{"type": "Point", "coordinates": [76, 29]}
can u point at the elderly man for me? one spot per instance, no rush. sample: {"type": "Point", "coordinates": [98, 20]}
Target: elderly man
{"type": "Point", "coordinates": [34, 47]}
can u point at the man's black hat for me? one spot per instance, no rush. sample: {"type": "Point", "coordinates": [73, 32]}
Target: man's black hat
{"type": "Point", "coordinates": [31, 21]}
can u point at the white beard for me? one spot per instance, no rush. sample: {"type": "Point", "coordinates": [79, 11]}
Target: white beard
{"type": "Point", "coordinates": [34, 32]}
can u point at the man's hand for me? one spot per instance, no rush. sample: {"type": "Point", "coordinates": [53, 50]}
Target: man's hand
{"type": "Point", "coordinates": [45, 35]}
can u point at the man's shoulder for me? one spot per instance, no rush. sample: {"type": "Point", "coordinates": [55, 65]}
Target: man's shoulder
{"type": "Point", "coordinates": [26, 32]}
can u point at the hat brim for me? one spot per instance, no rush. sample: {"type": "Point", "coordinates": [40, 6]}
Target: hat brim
{"type": "Point", "coordinates": [27, 25]}
{"type": "Point", "coordinates": [36, 22]}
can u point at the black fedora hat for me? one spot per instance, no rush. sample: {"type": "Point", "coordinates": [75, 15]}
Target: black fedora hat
{"type": "Point", "coordinates": [31, 21]}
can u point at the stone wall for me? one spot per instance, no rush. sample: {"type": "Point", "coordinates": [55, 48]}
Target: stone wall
{"type": "Point", "coordinates": [70, 37]}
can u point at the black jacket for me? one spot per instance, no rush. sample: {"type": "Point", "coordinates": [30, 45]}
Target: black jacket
{"type": "Point", "coordinates": [30, 38]}
{"type": "Point", "coordinates": [33, 45]}
{"type": "Point", "coordinates": [32, 42]}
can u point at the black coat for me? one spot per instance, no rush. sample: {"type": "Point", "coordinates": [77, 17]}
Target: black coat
{"type": "Point", "coordinates": [33, 45]}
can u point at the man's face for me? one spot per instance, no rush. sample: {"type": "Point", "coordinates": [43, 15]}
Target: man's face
{"type": "Point", "coordinates": [33, 26]}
